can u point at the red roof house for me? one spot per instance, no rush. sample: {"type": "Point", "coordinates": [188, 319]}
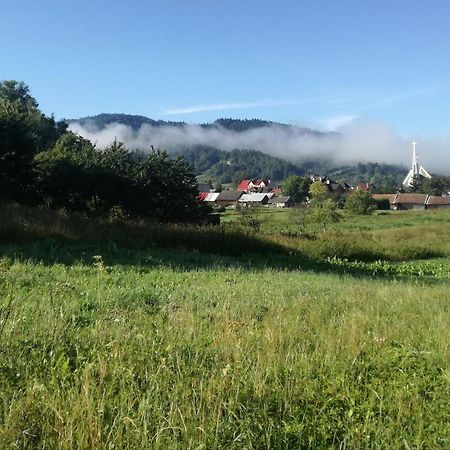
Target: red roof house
{"type": "Point", "coordinates": [243, 185]}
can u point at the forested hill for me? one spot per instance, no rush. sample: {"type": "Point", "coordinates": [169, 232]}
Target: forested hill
{"type": "Point", "coordinates": [235, 165]}
{"type": "Point", "coordinates": [100, 121]}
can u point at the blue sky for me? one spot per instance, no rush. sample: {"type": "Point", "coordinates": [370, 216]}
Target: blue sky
{"type": "Point", "coordinates": [319, 63]}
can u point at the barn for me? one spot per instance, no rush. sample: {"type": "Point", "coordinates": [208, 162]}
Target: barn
{"type": "Point", "coordinates": [283, 201]}
{"type": "Point", "coordinates": [410, 201]}
{"type": "Point", "coordinates": [228, 198]}
{"type": "Point", "coordinates": [438, 202]}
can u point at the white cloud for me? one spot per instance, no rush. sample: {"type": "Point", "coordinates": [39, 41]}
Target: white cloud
{"type": "Point", "coordinates": [226, 106]}
{"type": "Point", "coordinates": [337, 122]}
{"type": "Point", "coordinates": [357, 141]}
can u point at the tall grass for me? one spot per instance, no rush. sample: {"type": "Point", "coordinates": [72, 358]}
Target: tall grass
{"type": "Point", "coordinates": [97, 356]}
{"type": "Point", "coordinates": [135, 335]}
{"type": "Point", "coordinates": [18, 224]}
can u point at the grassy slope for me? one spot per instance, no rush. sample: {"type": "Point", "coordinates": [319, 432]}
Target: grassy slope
{"type": "Point", "coordinates": [104, 345]}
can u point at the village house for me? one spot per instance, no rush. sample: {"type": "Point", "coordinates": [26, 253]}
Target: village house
{"type": "Point", "coordinates": [211, 197]}
{"type": "Point", "coordinates": [256, 185]}
{"type": "Point", "coordinates": [333, 187]}
{"type": "Point", "coordinates": [254, 199]}
{"type": "Point", "coordinates": [228, 198]}
{"type": "Point", "coordinates": [363, 187]}
{"type": "Point", "coordinates": [282, 201]}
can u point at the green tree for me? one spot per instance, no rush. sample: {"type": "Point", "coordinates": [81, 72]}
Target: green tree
{"type": "Point", "coordinates": [317, 191]}
{"type": "Point", "coordinates": [249, 217]}
{"type": "Point", "coordinates": [297, 187]}
{"type": "Point", "coordinates": [24, 131]}
{"type": "Point", "coordinates": [437, 185]}
{"type": "Point", "coordinates": [166, 189]}
{"type": "Point", "coordinates": [324, 212]}
{"type": "Point", "coordinates": [416, 184]}
{"type": "Point", "coordinates": [322, 209]}
{"type": "Point", "coordinates": [360, 202]}
{"type": "Point", "coordinates": [68, 174]}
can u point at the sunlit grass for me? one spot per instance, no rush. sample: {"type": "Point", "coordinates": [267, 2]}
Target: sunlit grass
{"type": "Point", "coordinates": [109, 344]}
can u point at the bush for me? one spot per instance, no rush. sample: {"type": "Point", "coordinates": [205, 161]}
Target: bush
{"type": "Point", "coordinates": [360, 203]}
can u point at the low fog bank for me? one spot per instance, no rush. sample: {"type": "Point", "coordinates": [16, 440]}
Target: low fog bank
{"type": "Point", "coordinates": [359, 142]}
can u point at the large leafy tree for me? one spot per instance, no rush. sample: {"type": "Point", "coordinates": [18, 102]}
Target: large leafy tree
{"type": "Point", "coordinates": [360, 202]}
{"type": "Point", "coordinates": [322, 209]}
{"type": "Point", "coordinates": [297, 187]}
{"type": "Point", "coordinates": [436, 185]}
{"type": "Point", "coordinates": [166, 189]}
{"type": "Point", "coordinates": [24, 131]}
{"type": "Point", "coordinates": [68, 174]}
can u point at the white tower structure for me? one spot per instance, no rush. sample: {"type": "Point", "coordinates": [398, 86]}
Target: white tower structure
{"type": "Point", "coordinates": [416, 169]}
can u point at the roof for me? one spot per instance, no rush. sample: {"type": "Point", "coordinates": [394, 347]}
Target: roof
{"type": "Point", "coordinates": [212, 196]}
{"type": "Point", "coordinates": [415, 199]}
{"type": "Point", "coordinates": [243, 185]}
{"type": "Point", "coordinates": [281, 199]}
{"type": "Point", "coordinates": [258, 182]}
{"type": "Point", "coordinates": [254, 197]}
{"type": "Point", "coordinates": [230, 196]}
{"type": "Point", "coordinates": [363, 186]}
{"type": "Point", "coordinates": [202, 196]}
{"type": "Point", "coordinates": [277, 190]}
{"type": "Point", "coordinates": [337, 187]}
{"type": "Point", "coordinates": [390, 197]}
{"type": "Point", "coordinates": [438, 200]}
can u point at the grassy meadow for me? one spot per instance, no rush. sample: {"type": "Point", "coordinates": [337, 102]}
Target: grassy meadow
{"type": "Point", "coordinates": [130, 336]}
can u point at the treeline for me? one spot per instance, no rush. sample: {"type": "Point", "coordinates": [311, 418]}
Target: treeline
{"type": "Point", "coordinates": [41, 163]}
{"type": "Point", "coordinates": [135, 122]}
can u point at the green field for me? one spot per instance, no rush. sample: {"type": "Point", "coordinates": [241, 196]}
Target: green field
{"type": "Point", "coordinates": [143, 336]}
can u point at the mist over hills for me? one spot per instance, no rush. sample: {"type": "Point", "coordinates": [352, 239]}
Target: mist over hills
{"type": "Point", "coordinates": [227, 149]}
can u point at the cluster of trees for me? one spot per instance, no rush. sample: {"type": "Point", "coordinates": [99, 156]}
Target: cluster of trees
{"type": "Point", "coordinates": [324, 207]}
{"type": "Point", "coordinates": [384, 178]}
{"type": "Point", "coordinates": [42, 163]}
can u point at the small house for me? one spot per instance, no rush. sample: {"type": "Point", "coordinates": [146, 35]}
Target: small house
{"type": "Point", "coordinates": [283, 201]}
{"type": "Point", "coordinates": [253, 185]}
{"type": "Point", "coordinates": [258, 185]}
{"type": "Point", "coordinates": [243, 186]}
{"type": "Point", "coordinates": [228, 198]}
{"type": "Point", "coordinates": [254, 199]}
